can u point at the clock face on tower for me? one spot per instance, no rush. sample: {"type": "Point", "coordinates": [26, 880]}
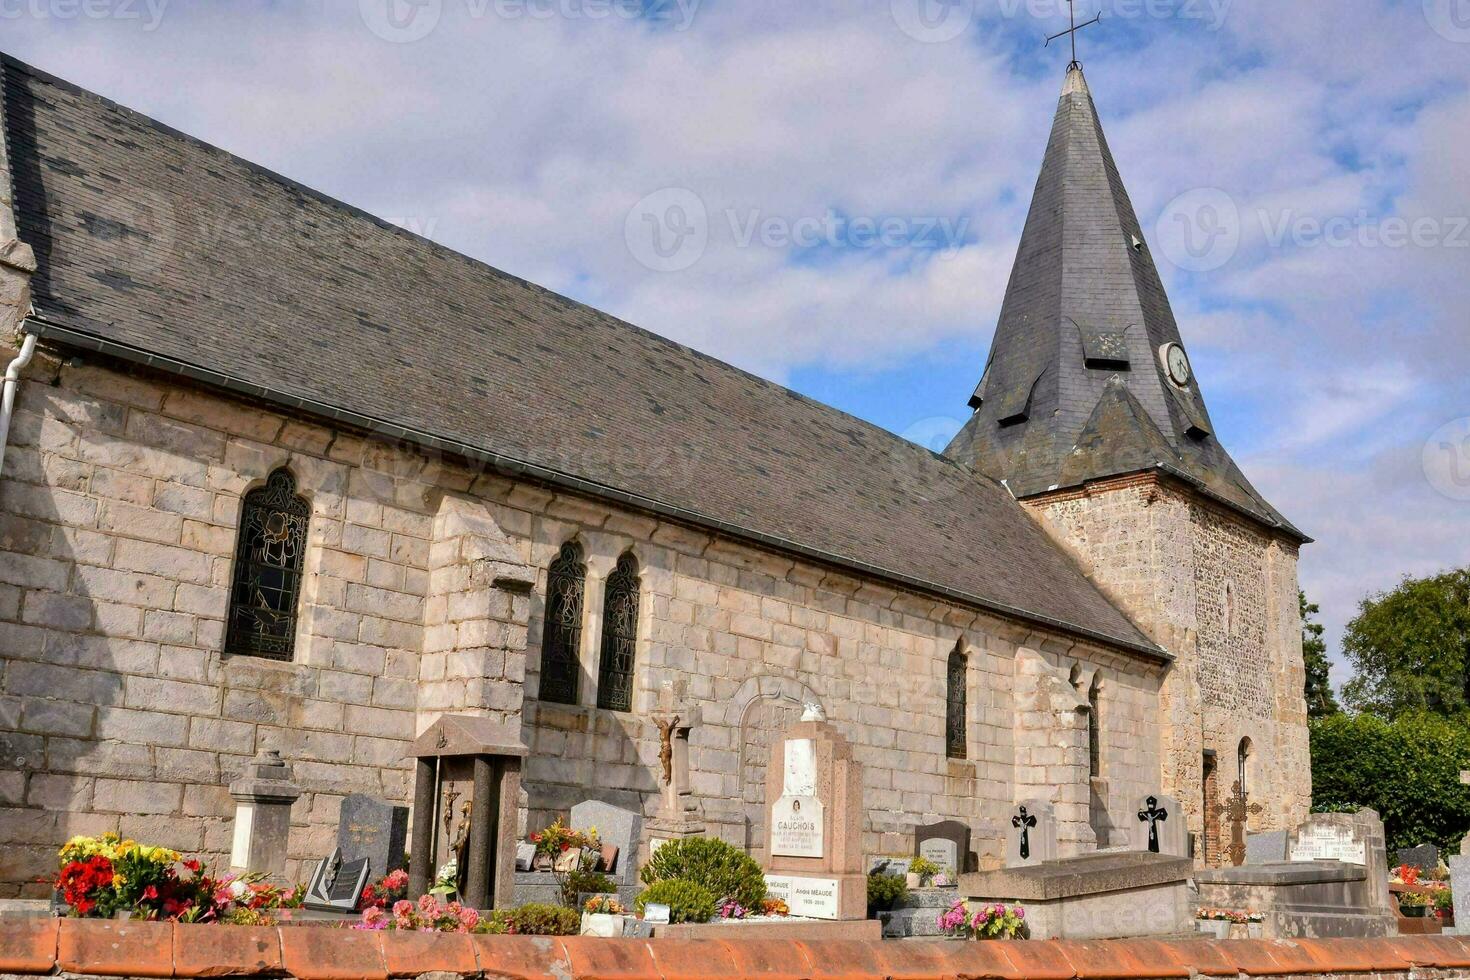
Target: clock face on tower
{"type": "Point", "coordinates": [1176, 364]}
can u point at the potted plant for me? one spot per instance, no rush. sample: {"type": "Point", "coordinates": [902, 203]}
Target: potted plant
{"type": "Point", "coordinates": [1217, 923]}
{"type": "Point", "coordinates": [921, 873]}
{"type": "Point", "coordinates": [1444, 905]}
{"type": "Point", "coordinates": [603, 916]}
{"type": "Point", "coordinates": [1414, 905]}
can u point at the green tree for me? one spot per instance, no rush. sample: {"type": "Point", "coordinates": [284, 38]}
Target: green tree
{"type": "Point", "coordinates": [1410, 648]}
{"type": "Point", "coordinates": [1407, 769]}
{"type": "Point", "coordinates": [1321, 702]}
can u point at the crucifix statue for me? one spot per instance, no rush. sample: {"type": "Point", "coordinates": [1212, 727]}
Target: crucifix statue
{"type": "Point", "coordinates": [1238, 811]}
{"type": "Point", "coordinates": [666, 727]}
{"type": "Point", "coordinates": [1024, 821]}
{"type": "Point", "coordinates": [1153, 815]}
{"type": "Point", "coordinates": [1072, 32]}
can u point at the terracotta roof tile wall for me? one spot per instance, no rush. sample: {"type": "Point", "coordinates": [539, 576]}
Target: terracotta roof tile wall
{"type": "Point", "coordinates": [36, 946]}
{"type": "Point", "coordinates": [152, 240]}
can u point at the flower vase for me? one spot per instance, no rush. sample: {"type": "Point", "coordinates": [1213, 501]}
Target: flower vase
{"type": "Point", "coordinates": [1255, 930]}
{"type": "Point", "coordinates": [913, 881]}
{"type": "Point", "coordinates": [1215, 928]}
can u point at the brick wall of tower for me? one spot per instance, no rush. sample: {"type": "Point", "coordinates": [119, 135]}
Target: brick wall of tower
{"type": "Point", "coordinates": [1219, 593]}
{"type": "Point", "coordinates": [424, 591]}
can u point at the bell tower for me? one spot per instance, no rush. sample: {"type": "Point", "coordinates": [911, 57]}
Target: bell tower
{"type": "Point", "coordinates": [1090, 412]}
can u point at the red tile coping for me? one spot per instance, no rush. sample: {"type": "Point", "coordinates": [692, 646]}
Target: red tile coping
{"type": "Point", "coordinates": [90, 947]}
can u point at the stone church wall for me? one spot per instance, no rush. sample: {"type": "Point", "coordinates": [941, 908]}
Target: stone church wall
{"type": "Point", "coordinates": [1220, 594]}
{"type": "Point", "coordinates": [424, 592]}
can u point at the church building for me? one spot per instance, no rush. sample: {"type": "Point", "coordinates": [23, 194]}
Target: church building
{"type": "Point", "coordinates": [278, 475]}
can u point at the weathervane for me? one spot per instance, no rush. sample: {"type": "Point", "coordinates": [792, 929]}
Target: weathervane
{"type": "Point", "coordinates": [1072, 16]}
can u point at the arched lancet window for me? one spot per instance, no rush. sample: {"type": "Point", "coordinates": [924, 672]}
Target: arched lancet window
{"type": "Point", "coordinates": [1243, 759]}
{"type": "Point", "coordinates": [956, 705]}
{"type": "Point", "coordinates": [1094, 728]}
{"type": "Point", "coordinates": [266, 586]}
{"type": "Point", "coordinates": [561, 634]}
{"type": "Point", "coordinates": [619, 637]}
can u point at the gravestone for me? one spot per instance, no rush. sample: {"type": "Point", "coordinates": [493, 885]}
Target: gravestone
{"type": "Point", "coordinates": [1268, 847]}
{"type": "Point", "coordinates": [616, 827]}
{"type": "Point", "coordinates": [889, 864]}
{"type": "Point", "coordinates": [1328, 840]}
{"type": "Point", "coordinates": [814, 798]}
{"type": "Point", "coordinates": [1160, 826]}
{"type": "Point", "coordinates": [946, 843]}
{"type": "Point", "coordinates": [1031, 834]}
{"type": "Point", "coordinates": [373, 830]}
{"type": "Point", "coordinates": [336, 885]}
{"type": "Point", "coordinates": [1425, 857]}
{"type": "Point", "coordinates": [263, 795]}
{"type": "Point", "coordinates": [1460, 886]}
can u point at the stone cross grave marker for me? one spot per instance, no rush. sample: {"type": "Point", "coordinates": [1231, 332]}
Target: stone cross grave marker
{"type": "Point", "coordinates": [946, 843]}
{"type": "Point", "coordinates": [374, 830]}
{"type": "Point", "coordinates": [1160, 827]}
{"type": "Point", "coordinates": [616, 828]}
{"type": "Point", "coordinates": [1032, 836]}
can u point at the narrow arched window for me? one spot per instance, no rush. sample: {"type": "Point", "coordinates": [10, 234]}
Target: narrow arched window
{"type": "Point", "coordinates": [619, 637]}
{"type": "Point", "coordinates": [266, 587]}
{"type": "Point", "coordinates": [956, 706]}
{"type": "Point", "coordinates": [1243, 763]}
{"type": "Point", "coordinates": [561, 635]}
{"type": "Point", "coordinates": [1094, 728]}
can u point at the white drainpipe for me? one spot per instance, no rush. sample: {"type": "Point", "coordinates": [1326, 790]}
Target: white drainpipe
{"type": "Point", "coordinates": [12, 382]}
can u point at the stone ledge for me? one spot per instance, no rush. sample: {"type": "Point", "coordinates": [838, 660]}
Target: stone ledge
{"type": "Point", "coordinates": [38, 947]}
{"type": "Point", "coordinates": [1088, 874]}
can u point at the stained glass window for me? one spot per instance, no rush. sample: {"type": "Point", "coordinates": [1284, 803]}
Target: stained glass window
{"type": "Point", "coordinates": [619, 637]}
{"type": "Point", "coordinates": [956, 705]}
{"type": "Point", "coordinates": [561, 638]}
{"type": "Point", "coordinates": [266, 587]}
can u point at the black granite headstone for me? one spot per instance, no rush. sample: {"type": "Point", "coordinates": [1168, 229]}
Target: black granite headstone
{"type": "Point", "coordinates": [372, 830]}
{"type": "Point", "coordinates": [1425, 857]}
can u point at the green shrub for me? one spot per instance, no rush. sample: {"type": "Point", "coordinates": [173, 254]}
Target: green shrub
{"type": "Point", "coordinates": [1408, 770]}
{"type": "Point", "coordinates": [575, 883]}
{"type": "Point", "coordinates": [687, 901]}
{"type": "Point", "coordinates": [722, 870]}
{"type": "Point", "coordinates": [537, 919]}
{"type": "Point", "coordinates": [886, 891]}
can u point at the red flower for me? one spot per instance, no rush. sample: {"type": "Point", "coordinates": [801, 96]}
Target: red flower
{"type": "Point", "coordinates": [150, 893]}
{"type": "Point", "coordinates": [192, 864]}
{"type": "Point", "coordinates": [566, 847]}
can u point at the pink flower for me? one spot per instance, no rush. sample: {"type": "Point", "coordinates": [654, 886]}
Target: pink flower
{"type": "Point", "coordinates": [374, 919]}
{"type": "Point", "coordinates": [396, 879]}
{"type": "Point", "coordinates": [469, 918]}
{"type": "Point", "coordinates": [428, 905]}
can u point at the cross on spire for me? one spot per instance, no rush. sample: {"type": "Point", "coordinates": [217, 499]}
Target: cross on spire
{"type": "Point", "coordinates": [1072, 32]}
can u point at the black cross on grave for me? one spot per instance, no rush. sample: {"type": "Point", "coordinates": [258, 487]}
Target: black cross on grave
{"type": "Point", "coordinates": [1024, 822]}
{"type": "Point", "coordinates": [1153, 816]}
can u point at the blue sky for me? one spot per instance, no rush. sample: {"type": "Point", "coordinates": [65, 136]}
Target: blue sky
{"type": "Point", "coordinates": [830, 193]}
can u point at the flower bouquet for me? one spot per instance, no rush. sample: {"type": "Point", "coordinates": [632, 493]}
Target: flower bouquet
{"type": "Point", "coordinates": [987, 922]}
{"type": "Point", "coordinates": [603, 916]}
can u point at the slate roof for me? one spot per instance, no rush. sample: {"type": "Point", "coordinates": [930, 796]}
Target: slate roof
{"type": "Point", "coordinates": [1076, 390]}
{"type": "Point", "coordinates": [156, 246]}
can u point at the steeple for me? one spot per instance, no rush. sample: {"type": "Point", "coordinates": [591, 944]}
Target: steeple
{"type": "Point", "coordinates": [1088, 377]}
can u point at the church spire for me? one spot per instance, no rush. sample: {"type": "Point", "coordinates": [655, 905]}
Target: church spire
{"type": "Point", "coordinates": [1088, 376]}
